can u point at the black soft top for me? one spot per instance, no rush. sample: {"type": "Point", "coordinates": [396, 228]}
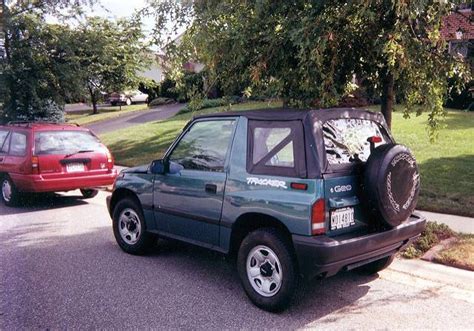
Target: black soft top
{"type": "Point", "coordinates": [288, 114]}
{"type": "Point", "coordinates": [313, 120]}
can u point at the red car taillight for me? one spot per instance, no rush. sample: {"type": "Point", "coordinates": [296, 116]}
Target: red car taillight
{"type": "Point", "coordinates": [110, 159]}
{"type": "Point", "coordinates": [318, 217]}
{"type": "Point", "coordinates": [34, 165]}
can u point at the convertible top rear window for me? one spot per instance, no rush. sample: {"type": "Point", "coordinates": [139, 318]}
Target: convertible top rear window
{"type": "Point", "coordinates": [346, 142]}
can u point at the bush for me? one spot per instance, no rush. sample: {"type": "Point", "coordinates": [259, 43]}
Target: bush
{"type": "Point", "coordinates": [168, 89]}
{"type": "Point", "coordinates": [433, 234]}
{"type": "Point", "coordinates": [40, 110]}
{"type": "Point", "coordinates": [460, 99]}
{"type": "Point", "coordinates": [195, 105]}
{"type": "Point", "coordinates": [160, 101]}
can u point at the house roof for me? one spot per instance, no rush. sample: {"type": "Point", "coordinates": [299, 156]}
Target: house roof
{"type": "Point", "coordinates": [458, 21]}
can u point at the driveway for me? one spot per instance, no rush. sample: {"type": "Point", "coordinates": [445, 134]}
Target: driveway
{"type": "Point", "coordinates": [60, 268]}
{"type": "Point", "coordinates": [134, 118]}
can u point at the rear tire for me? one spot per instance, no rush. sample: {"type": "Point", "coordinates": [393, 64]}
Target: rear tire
{"type": "Point", "coordinates": [89, 193]}
{"type": "Point", "coordinates": [267, 269]}
{"type": "Point", "coordinates": [130, 229]}
{"type": "Point", "coordinates": [376, 266]}
{"type": "Point", "coordinates": [9, 193]}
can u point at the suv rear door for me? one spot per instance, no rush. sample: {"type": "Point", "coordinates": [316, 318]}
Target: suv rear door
{"type": "Point", "coordinates": [188, 199]}
{"type": "Point", "coordinates": [347, 149]}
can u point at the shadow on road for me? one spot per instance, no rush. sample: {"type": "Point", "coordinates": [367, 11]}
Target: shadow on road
{"type": "Point", "coordinates": [42, 201]}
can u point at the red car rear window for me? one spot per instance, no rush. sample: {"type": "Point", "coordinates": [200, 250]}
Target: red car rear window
{"type": "Point", "coordinates": [65, 142]}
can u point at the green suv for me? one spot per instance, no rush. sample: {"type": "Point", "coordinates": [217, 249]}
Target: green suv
{"type": "Point", "coordinates": [290, 193]}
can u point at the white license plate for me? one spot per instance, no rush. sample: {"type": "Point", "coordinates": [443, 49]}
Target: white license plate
{"type": "Point", "coordinates": [342, 218]}
{"type": "Point", "coordinates": [75, 167]}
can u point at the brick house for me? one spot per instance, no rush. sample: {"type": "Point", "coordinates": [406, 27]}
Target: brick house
{"type": "Point", "coordinates": [458, 31]}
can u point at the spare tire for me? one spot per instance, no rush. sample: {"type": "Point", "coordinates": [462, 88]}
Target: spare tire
{"type": "Point", "coordinates": [391, 184]}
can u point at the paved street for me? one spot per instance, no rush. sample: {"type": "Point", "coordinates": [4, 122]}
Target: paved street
{"type": "Point", "coordinates": [61, 268]}
{"type": "Point", "coordinates": [134, 118]}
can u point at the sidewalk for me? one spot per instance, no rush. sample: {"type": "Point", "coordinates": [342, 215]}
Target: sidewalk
{"type": "Point", "coordinates": [457, 223]}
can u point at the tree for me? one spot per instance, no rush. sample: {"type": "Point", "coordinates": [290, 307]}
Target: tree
{"type": "Point", "coordinates": [33, 73]}
{"type": "Point", "coordinates": [109, 55]}
{"type": "Point", "coordinates": [308, 52]}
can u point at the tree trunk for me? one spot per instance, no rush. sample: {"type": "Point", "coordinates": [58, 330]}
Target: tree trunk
{"type": "Point", "coordinates": [387, 97]}
{"type": "Point", "coordinates": [93, 100]}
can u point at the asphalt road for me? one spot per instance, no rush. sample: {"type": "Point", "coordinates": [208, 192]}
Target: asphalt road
{"type": "Point", "coordinates": [134, 118]}
{"type": "Point", "coordinates": [60, 268]}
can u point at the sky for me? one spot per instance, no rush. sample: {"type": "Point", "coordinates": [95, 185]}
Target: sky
{"type": "Point", "coordinates": [114, 9]}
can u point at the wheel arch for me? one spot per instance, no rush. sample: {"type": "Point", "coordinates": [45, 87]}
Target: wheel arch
{"type": "Point", "coordinates": [252, 221]}
{"type": "Point", "coordinates": [122, 193]}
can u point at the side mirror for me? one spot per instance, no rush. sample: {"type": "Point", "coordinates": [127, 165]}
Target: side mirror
{"type": "Point", "coordinates": [158, 167]}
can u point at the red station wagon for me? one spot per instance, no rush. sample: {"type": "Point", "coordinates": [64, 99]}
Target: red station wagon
{"type": "Point", "coordinates": [50, 157]}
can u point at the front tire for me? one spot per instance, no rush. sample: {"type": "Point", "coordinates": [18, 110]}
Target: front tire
{"type": "Point", "coordinates": [376, 266]}
{"type": "Point", "coordinates": [267, 269]}
{"type": "Point", "coordinates": [128, 102]}
{"type": "Point", "coordinates": [89, 193]}
{"type": "Point", "coordinates": [130, 228]}
{"type": "Point", "coordinates": [9, 194]}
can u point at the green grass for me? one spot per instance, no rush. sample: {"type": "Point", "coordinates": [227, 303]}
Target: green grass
{"type": "Point", "coordinates": [105, 113]}
{"type": "Point", "coordinates": [447, 166]}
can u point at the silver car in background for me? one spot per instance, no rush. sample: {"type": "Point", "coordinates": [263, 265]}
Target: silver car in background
{"type": "Point", "coordinates": [127, 98]}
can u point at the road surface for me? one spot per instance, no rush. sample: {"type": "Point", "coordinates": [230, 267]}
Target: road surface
{"type": "Point", "coordinates": [134, 118]}
{"type": "Point", "coordinates": [60, 268]}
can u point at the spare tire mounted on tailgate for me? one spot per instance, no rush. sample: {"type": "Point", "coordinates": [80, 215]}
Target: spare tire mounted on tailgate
{"type": "Point", "coordinates": [391, 183]}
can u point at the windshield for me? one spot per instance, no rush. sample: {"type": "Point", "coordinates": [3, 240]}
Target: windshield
{"type": "Point", "coordinates": [345, 139]}
{"type": "Point", "coordinates": [65, 142]}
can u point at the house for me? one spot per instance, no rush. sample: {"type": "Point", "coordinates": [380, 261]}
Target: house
{"type": "Point", "coordinates": [458, 31]}
{"type": "Point", "coordinates": [156, 71]}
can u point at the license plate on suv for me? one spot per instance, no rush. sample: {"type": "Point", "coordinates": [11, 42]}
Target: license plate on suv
{"type": "Point", "coordinates": [342, 218]}
{"type": "Point", "coordinates": [75, 167]}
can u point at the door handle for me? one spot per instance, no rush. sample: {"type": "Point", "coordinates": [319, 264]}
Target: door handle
{"type": "Point", "coordinates": [211, 188]}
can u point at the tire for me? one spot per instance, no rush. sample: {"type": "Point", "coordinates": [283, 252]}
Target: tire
{"type": "Point", "coordinates": [128, 102]}
{"type": "Point", "coordinates": [376, 266]}
{"type": "Point", "coordinates": [273, 280]}
{"type": "Point", "coordinates": [89, 193]}
{"type": "Point", "coordinates": [391, 184]}
{"type": "Point", "coordinates": [134, 239]}
{"type": "Point", "coordinates": [9, 194]}
{"type": "Point", "coordinates": [113, 103]}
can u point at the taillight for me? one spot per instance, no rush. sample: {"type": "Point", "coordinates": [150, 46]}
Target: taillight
{"type": "Point", "coordinates": [110, 159]}
{"type": "Point", "coordinates": [318, 217]}
{"type": "Point", "coordinates": [34, 165]}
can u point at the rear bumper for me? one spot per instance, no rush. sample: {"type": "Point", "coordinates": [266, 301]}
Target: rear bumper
{"type": "Point", "coordinates": [39, 183]}
{"type": "Point", "coordinates": [322, 255]}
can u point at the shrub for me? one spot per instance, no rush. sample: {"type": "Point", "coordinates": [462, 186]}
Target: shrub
{"type": "Point", "coordinates": [160, 101]}
{"type": "Point", "coordinates": [168, 89]}
{"type": "Point", "coordinates": [433, 234]}
{"type": "Point", "coordinates": [195, 105]}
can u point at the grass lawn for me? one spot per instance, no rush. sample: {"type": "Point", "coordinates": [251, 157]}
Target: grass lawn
{"type": "Point", "coordinates": [105, 113]}
{"type": "Point", "coordinates": [447, 166]}
{"type": "Point", "coordinates": [460, 255]}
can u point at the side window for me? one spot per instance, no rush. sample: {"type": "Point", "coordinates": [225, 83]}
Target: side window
{"type": "Point", "coordinates": [4, 141]}
{"type": "Point", "coordinates": [204, 146]}
{"type": "Point", "coordinates": [18, 144]}
{"type": "Point", "coordinates": [276, 148]}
